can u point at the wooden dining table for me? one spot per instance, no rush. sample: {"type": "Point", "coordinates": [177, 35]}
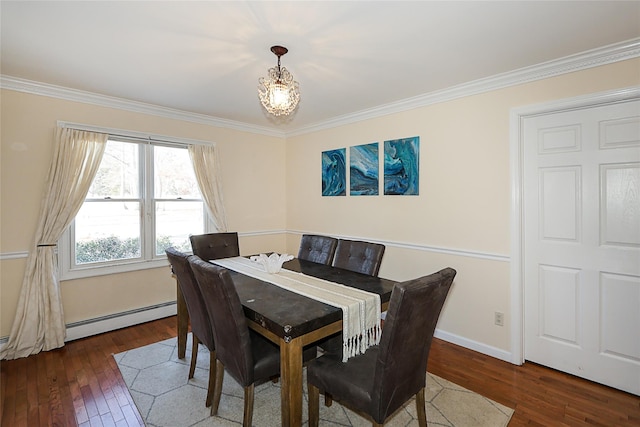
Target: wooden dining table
{"type": "Point", "coordinates": [291, 321]}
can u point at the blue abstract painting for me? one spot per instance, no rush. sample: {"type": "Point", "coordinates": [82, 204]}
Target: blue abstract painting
{"type": "Point", "coordinates": [401, 157]}
{"type": "Point", "coordinates": [334, 172]}
{"type": "Point", "coordinates": [363, 167]}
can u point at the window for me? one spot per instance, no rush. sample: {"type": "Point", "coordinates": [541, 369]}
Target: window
{"type": "Point", "coordinates": [143, 199]}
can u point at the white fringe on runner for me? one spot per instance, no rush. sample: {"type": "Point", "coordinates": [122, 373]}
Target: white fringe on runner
{"type": "Point", "coordinates": [360, 309]}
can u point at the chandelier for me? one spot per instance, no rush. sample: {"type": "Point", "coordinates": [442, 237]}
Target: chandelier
{"type": "Point", "coordinates": [278, 92]}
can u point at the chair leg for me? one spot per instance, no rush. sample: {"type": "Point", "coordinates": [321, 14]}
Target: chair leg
{"type": "Point", "coordinates": [328, 400]}
{"type": "Point", "coordinates": [247, 418]}
{"type": "Point", "coordinates": [217, 389]}
{"type": "Point", "coordinates": [194, 355]}
{"type": "Point", "coordinates": [420, 408]}
{"type": "Point", "coordinates": [212, 377]}
{"type": "Point", "coordinates": [314, 404]}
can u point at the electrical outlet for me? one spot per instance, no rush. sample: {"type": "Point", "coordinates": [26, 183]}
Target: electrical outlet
{"type": "Point", "coordinates": [499, 318]}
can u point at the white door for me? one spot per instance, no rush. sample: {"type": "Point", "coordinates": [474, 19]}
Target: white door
{"type": "Point", "coordinates": [582, 242]}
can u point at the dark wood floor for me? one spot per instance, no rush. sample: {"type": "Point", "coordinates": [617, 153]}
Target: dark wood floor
{"type": "Point", "coordinates": [80, 385]}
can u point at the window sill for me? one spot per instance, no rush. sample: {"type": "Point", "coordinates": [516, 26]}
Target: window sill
{"type": "Point", "coordinates": [103, 270]}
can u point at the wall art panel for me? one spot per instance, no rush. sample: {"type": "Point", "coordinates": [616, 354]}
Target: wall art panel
{"type": "Point", "coordinates": [363, 166]}
{"type": "Point", "coordinates": [334, 172]}
{"type": "Point", "coordinates": [401, 172]}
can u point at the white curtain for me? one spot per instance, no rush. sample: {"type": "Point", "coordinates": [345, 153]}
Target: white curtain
{"type": "Point", "coordinates": [39, 321]}
{"type": "Point", "coordinates": [206, 166]}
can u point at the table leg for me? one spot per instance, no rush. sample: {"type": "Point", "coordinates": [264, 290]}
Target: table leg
{"type": "Point", "coordinates": [291, 379]}
{"type": "Point", "coordinates": [183, 322]}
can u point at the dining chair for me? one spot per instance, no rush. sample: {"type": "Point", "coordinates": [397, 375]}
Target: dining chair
{"type": "Point", "coordinates": [386, 376]}
{"type": "Point", "coordinates": [247, 356]}
{"type": "Point", "coordinates": [201, 331]}
{"type": "Point", "coordinates": [316, 248]}
{"type": "Point", "coordinates": [359, 256]}
{"type": "Point", "coordinates": [215, 245]}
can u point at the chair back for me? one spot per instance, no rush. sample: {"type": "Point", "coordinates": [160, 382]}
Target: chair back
{"type": "Point", "coordinates": [215, 245]}
{"type": "Point", "coordinates": [230, 329]}
{"type": "Point", "coordinates": [198, 315]}
{"type": "Point", "coordinates": [413, 313]}
{"type": "Point", "coordinates": [361, 257]}
{"type": "Point", "coordinates": [319, 249]}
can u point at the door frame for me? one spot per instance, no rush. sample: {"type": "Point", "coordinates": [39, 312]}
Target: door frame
{"type": "Point", "coordinates": [517, 117]}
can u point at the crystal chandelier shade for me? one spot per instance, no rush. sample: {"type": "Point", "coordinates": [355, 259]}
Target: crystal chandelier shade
{"type": "Point", "coordinates": [278, 92]}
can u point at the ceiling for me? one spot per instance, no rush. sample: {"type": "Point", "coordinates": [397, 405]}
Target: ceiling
{"type": "Point", "coordinates": [206, 57]}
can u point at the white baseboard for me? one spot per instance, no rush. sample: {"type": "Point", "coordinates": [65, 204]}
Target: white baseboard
{"type": "Point", "coordinates": [112, 322]}
{"type": "Point", "coordinates": [470, 344]}
{"type": "Point", "coordinates": [103, 324]}
{"type": "Point", "coordinates": [474, 345]}
{"type": "Point", "coordinates": [99, 325]}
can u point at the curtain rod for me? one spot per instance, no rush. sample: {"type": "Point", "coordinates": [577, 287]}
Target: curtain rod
{"type": "Point", "coordinates": [131, 134]}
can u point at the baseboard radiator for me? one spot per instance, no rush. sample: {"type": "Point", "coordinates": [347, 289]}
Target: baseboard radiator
{"type": "Point", "coordinates": [111, 322]}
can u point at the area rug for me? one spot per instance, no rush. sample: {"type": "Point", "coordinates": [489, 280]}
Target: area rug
{"type": "Point", "coordinates": [165, 397]}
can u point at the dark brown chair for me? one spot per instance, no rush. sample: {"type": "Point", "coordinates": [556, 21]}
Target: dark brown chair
{"type": "Point", "coordinates": [317, 248]}
{"type": "Point", "coordinates": [382, 379]}
{"type": "Point", "coordinates": [201, 331]}
{"type": "Point", "coordinates": [361, 257]}
{"type": "Point", "coordinates": [215, 245]}
{"type": "Point", "coordinates": [247, 356]}
{"type": "Point", "coordinates": [358, 256]}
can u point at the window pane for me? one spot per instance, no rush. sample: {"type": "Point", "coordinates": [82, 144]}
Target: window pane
{"type": "Point", "coordinates": [118, 173]}
{"type": "Point", "coordinates": [175, 221]}
{"type": "Point", "coordinates": [107, 231]}
{"type": "Point", "coordinates": [173, 174]}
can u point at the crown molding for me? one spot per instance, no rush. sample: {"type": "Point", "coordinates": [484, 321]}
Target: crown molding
{"type": "Point", "coordinates": [592, 58]}
{"type": "Point", "coordinates": [60, 92]}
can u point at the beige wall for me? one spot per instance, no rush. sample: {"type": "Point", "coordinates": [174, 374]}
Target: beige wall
{"type": "Point", "coordinates": [461, 217]}
{"type": "Point", "coordinates": [465, 197]}
{"type": "Point", "coordinates": [28, 123]}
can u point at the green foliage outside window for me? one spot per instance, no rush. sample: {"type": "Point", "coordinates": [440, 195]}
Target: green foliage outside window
{"type": "Point", "coordinates": [114, 248]}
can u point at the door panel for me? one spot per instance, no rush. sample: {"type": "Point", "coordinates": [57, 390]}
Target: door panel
{"type": "Point", "coordinates": [620, 296]}
{"type": "Point", "coordinates": [559, 209]}
{"type": "Point", "coordinates": [559, 304]}
{"type": "Point", "coordinates": [582, 242]}
{"type": "Point", "coordinates": [620, 207]}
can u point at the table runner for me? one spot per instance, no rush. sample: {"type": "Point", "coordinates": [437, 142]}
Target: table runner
{"type": "Point", "coordinates": [360, 309]}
